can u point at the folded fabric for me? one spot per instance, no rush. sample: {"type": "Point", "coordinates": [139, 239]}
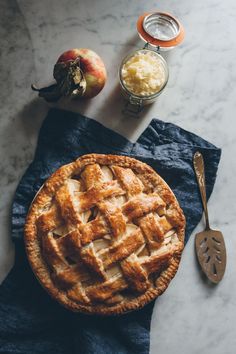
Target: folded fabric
{"type": "Point", "coordinates": [30, 321]}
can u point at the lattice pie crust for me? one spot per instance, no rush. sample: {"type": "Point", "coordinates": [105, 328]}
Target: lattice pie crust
{"type": "Point", "coordinates": [104, 234]}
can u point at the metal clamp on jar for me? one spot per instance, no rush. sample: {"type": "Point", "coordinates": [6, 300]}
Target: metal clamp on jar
{"type": "Point", "coordinates": [144, 73]}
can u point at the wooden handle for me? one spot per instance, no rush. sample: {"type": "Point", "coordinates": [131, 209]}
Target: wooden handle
{"type": "Point", "coordinates": [198, 164]}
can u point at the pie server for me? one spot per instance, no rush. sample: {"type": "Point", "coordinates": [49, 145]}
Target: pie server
{"type": "Point", "coordinates": [209, 244]}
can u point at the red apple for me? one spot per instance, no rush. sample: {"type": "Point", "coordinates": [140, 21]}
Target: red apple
{"type": "Point", "coordinates": [78, 72]}
{"type": "Point", "coordinates": [92, 67]}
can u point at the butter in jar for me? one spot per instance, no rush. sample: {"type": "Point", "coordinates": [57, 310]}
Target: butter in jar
{"type": "Point", "coordinates": [144, 73]}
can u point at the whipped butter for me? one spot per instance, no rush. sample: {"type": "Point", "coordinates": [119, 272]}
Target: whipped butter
{"type": "Point", "coordinates": [144, 73]}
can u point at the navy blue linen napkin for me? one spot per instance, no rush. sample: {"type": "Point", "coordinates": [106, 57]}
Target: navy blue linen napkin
{"type": "Point", "coordinates": [30, 321]}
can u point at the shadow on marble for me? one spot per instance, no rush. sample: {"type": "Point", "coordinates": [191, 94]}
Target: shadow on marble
{"type": "Point", "coordinates": [78, 105]}
{"type": "Point", "coordinates": [116, 119]}
{"type": "Point", "coordinates": [110, 112]}
{"type": "Point", "coordinates": [32, 115]}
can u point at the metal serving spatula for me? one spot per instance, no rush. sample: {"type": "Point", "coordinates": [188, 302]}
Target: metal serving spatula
{"type": "Point", "coordinates": [209, 244]}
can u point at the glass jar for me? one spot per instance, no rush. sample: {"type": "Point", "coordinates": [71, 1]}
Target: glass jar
{"type": "Point", "coordinates": [138, 100]}
{"type": "Point", "coordinates": [160, 32]}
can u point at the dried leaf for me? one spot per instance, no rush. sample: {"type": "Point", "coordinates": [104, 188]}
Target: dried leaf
{"type": "Point", "coordinates": [70, 82]}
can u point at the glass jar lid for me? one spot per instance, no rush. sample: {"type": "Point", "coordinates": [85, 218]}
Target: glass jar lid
{"type": "Point", "coordinates": [160, 29]}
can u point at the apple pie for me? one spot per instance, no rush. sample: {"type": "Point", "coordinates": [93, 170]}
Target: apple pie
{"type": "Point", "coordinates": [104, 234]}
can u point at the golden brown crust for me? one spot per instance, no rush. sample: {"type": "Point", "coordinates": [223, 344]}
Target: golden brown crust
{"type": "Point", "coordinates": [65, 281]}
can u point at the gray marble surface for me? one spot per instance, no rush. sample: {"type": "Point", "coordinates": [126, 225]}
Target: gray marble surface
{"type": "Point", "coordinates": [191, 316]}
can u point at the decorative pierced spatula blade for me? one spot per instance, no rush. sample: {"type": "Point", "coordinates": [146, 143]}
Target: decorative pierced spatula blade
{"type": "Point", "coordinates": [211, 254]}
